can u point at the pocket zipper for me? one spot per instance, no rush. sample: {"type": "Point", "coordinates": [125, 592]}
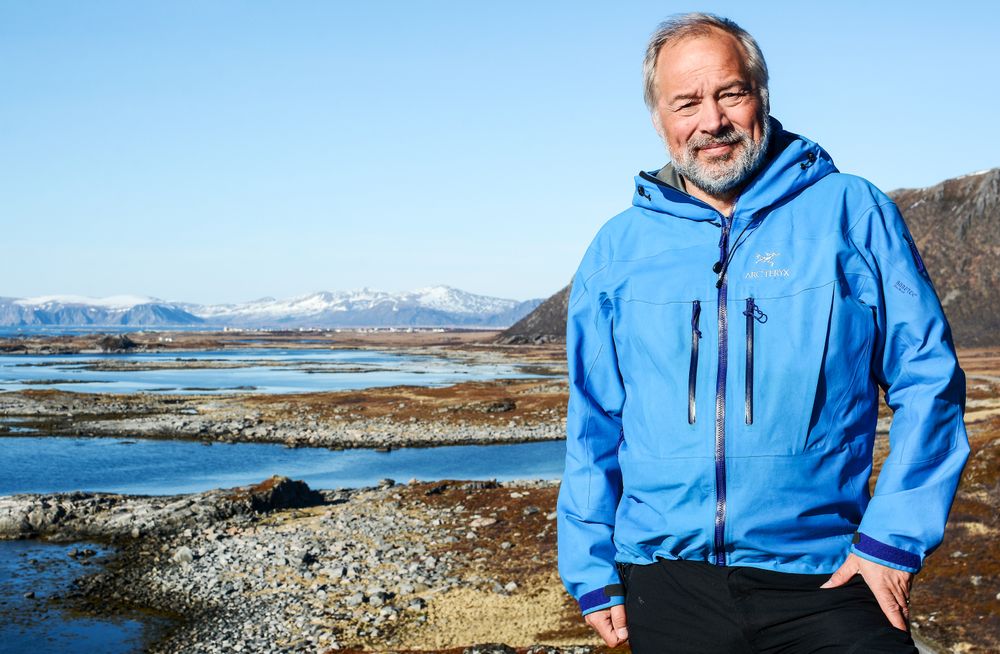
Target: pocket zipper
{"type": "Point", "coordinates": [916, 255]}
{"type": "Point", "coordinates": [693, 369]}
{"type": "Point", "coordinates": [753, 313]}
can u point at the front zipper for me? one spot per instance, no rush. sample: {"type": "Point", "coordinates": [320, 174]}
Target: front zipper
{"type": "Point", "coordinates": [693, 368]}
{"type": "Point", "coordinates": [720, 384]}
{"type": "Point", "coordinates": [720, 407]}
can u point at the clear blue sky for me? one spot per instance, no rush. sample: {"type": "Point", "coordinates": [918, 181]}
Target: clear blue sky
{"type": "Point", "coordinates": [222, 151]}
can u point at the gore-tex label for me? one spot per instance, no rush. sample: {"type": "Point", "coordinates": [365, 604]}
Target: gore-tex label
{"type": "Point", "coordinates": [903, 288]}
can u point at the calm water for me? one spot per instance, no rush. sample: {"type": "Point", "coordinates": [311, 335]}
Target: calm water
{"type": "Point", "coordinates": [38, 625]}
{"type": "Point", "coordinates": [151, 467]}
{"type": "Point", "coordinates": [260, 370]}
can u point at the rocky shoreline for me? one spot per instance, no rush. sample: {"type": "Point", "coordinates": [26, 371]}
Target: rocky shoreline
{"type": "Point", "coordinates": [459, 342]}
{"type": "Point", "coordinates": [500, 411]}
{"type": "Point", "coordinates": [278, 567]}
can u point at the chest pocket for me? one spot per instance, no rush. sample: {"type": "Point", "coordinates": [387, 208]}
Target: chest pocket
{"type": "Point", "coordinates": [803, 356]}
{"type": "Point", "coordinates": [665, 359]}
{"type": "Point", "coordinates": [666, 343]}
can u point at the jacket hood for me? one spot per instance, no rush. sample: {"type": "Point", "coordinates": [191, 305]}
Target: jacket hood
{"type": "Point", "coordinates": [793, 163]}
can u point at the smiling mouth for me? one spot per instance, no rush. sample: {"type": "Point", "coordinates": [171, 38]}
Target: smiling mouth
{"type": "Point", "coordinates": [715, 147]}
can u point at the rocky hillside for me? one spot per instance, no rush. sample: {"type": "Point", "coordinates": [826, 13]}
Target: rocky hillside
{"type": "Point", "coordinates": [956, 225]}
{"type": "Point", "coordinates": [545, 324]}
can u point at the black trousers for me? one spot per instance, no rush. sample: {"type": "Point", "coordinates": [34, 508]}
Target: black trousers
{"type": "Point", "coordinates": [692, 607]}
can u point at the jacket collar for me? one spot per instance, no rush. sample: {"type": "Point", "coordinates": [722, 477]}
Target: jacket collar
{"type": "Point", "coordinates": [793, 164]}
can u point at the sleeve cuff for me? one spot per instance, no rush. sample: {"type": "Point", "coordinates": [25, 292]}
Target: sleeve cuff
{"type": "Point", "coordinates": [887, 555]}
{"type": "Point", "coordinates": [602, 598]}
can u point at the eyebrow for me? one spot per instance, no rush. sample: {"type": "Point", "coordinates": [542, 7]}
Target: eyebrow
{"type": "Point", "coordinates": [741, 84]}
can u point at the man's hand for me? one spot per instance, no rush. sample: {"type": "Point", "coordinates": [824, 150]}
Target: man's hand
{"type": "Point", "coordinates": [891, 587]}
{"type": "Point", "coordinates": [609, 625]}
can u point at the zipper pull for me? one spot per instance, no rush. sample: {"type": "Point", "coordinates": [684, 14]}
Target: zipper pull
{"type": "Point", "coordinates": [724, 233]}
{"type": "Point", "coordinates": [753, 311]}
{"type": "Point", "coordinates": [720, 267]}
{"type": "Point", "coordinates": [693, 369]}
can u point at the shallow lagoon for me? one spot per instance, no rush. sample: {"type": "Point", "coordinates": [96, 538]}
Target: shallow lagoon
{"type": "Point", "coordinates": [262, 370]}
{"type": "Point", "coordinates": [167, 467]}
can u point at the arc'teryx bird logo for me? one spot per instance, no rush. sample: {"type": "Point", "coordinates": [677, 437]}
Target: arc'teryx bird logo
{"type": "Point", "coordinates": [767, 257]}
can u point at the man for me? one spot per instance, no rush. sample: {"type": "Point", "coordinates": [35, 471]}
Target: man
{"type": "Point", "coordinates": [726, 338]}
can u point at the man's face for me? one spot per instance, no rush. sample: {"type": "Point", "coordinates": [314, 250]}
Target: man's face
{"type": "Point", "coordinates": [708, 113]}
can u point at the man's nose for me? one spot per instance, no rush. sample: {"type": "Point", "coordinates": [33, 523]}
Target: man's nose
{"type": "Point", "coordinates": [712, 117]}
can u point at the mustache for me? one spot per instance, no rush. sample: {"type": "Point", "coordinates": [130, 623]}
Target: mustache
{"type": "Point", "coordinates": [727, 138]}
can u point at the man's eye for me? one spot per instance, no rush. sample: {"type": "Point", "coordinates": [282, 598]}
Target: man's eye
{"type": "Point", "coordinates": [687, 109]}
{"type": "Point", "coordinates": [733, 97]}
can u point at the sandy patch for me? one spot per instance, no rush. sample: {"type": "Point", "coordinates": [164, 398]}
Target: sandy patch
{"type": "Point", "coordinates": [464, 616]}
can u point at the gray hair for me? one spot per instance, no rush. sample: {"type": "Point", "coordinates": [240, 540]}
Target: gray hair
{"type": "Point", "coordinates": [699, 24]}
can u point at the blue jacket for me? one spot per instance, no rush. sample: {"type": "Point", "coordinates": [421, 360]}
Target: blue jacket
{"type": "Point", "coordinates": [729, 415]}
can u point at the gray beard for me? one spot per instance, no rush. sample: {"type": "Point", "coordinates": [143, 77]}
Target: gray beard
{"type": "Point", "coordinates": [721, 180]}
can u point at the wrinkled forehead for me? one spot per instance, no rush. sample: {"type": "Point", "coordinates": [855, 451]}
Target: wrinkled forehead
{"type": "Point", "coordinates": [708, 56]}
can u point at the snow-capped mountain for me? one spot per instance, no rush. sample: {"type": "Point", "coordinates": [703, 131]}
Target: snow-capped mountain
{"type": "Point", "coordinates": [75, 310]}
{"type": "Point", "coordinates": [437, 306]}
{"type": "Point", "coordinates": [123, 302]}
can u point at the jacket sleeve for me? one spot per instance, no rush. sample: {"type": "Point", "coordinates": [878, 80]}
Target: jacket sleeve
{"type": "Point", "coordinates": [914, 361]}
{"type": "Point", "coordinates": [591, 484]}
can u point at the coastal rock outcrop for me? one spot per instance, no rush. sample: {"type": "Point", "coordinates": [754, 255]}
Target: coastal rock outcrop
{"type": "Point", "coordinates": [74, 516]}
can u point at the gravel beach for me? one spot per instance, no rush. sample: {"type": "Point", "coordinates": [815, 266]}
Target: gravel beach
{"type": "Point", "coordinates": [280, 568]}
